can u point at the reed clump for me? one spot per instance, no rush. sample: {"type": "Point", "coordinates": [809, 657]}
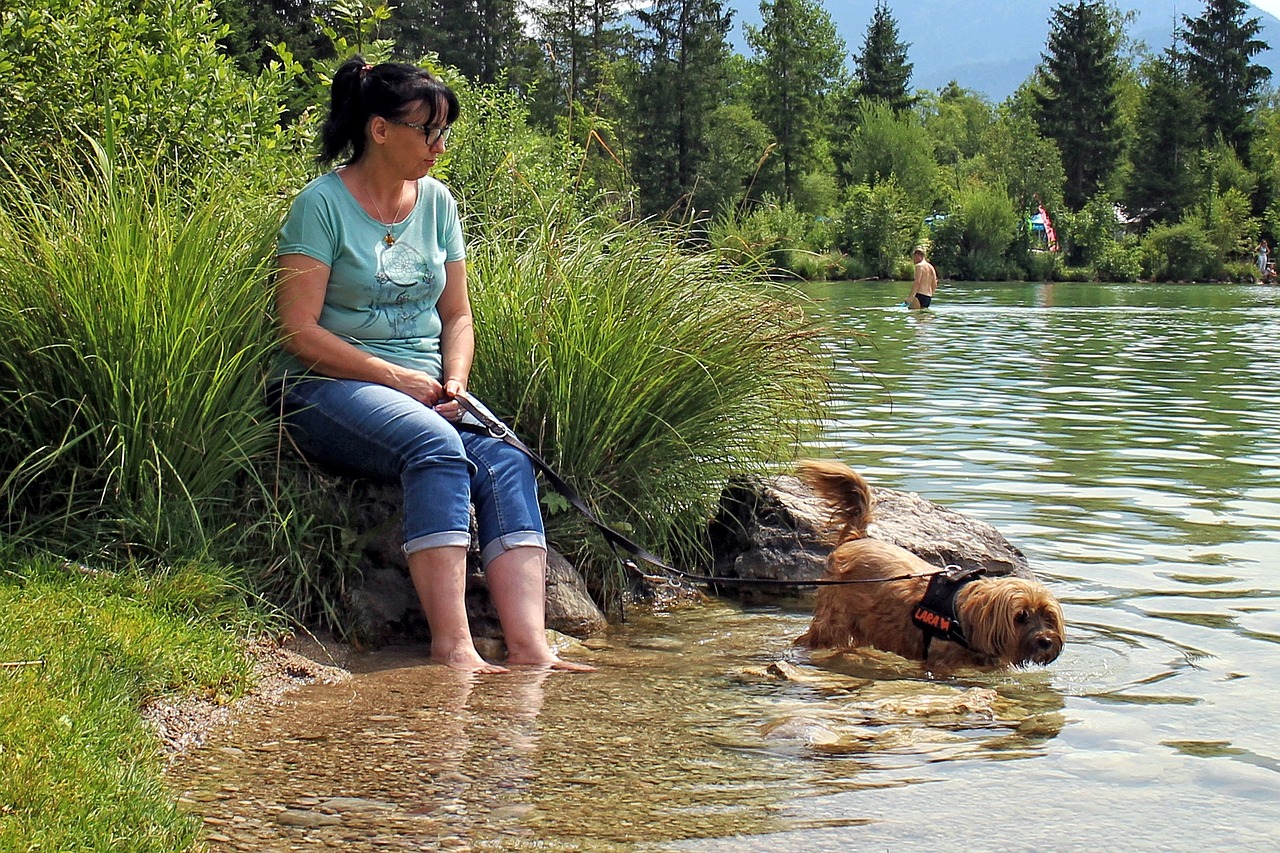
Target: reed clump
{"type": "Point", "coordinates": [647, 374]}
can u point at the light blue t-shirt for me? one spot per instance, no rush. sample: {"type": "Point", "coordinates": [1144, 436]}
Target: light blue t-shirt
{"type": "Point", "coordinates": [381, 298]}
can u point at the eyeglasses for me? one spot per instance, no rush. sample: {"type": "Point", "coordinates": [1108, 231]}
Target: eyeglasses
{"type": "Point", "coordinates": [432, 134]}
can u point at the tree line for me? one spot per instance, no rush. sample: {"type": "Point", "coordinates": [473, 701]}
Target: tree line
{"type": "Point", "coordinates": [1163, 164]}
{"type": "Point", "coordinates": [822, 158]}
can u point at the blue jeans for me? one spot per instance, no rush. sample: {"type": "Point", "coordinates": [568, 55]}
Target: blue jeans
{"type": "Point", "coordinates": [373, 431]}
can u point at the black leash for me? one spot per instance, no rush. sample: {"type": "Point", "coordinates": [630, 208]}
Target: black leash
{"type": "Point", "coordinates": [484, 421]}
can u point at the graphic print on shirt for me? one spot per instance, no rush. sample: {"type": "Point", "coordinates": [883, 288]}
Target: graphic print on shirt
{"type": "Point", "coordinates": [405, 288]}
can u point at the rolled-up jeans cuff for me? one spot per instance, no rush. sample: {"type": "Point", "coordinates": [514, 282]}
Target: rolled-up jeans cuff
{"type": "Point", "coordinates": [517, 539]}
{"type": "Point", "coordinates": [442, 539]}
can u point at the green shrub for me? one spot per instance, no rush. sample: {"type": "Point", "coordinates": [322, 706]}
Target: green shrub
{"type": "Point", "coordinates": [1179, 252]}
{"type": "Point", "coordinates": [645, 374]}
{"type": "Point", "coordinates": [982, 266]}
{"type": "Point", "coordinates": [1044, 266]}
{"type": "Point", "coordinates": [155, 65]}
{"type": "Point", "coordinates": [881, 226]}
{"type": "Point", "coordinates": [1090, 232]}
{"type": "Point", "coordinates": [854, 268]}
{"type": "Point", "coordinates": [1240, 272]}
{"type": "Point", "coordinates": [1120, 261]}
{"type": "Point", "coordinates": [1228, 225]}
{"type": "Point", "coordinates": [972, 241]}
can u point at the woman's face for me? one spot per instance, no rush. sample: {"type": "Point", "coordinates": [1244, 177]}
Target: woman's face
{"type": "Point", "coordinates": [420, 138]}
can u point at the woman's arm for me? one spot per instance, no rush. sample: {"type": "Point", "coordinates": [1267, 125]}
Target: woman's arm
{"type": "Point", "coordinates": [457, 333]}
{"type": "Point", "coordinates": [301, 283]}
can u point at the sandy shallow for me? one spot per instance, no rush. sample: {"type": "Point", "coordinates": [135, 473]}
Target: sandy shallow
{"type": "Point", "coordinates": [184, 723]}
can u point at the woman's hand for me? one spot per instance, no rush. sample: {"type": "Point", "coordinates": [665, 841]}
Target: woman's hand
{"type": "Point", "coordinates": [447, 407]}
{"type": "Point", "coordinates": [418, 385]}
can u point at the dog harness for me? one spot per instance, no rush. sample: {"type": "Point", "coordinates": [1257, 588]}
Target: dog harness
{"type": "Point", "coordinates": [935, 615]}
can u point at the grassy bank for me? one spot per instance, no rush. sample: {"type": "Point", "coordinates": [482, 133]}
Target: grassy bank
{"type": "Point", "coordinates": [81, 653]}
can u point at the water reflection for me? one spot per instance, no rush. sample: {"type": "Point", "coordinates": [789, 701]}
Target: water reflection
{"type": "Point", "coordinates": [402, 750]}
{"type": "Point", "coordinates": [702, 723]}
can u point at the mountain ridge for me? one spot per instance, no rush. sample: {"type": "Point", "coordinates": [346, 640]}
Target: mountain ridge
{"type": "Point", "coordinates": [1002, 39]}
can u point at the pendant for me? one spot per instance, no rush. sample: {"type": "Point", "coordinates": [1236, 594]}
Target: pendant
{"type": "Point", "coordinates": [389, 239]}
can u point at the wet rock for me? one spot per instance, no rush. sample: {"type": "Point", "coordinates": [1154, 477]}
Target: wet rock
{"type": "Point", "coordinates": [783, 671]}
{"type": "Point", "coordinates": [774, 530]}
{"type": "Point", "coordinates": [658, 644]}
{"type": "Point", "coordinates": [306, 819]}
{"type": "Point", "coordinates": [905, 714]}
{"type": "Point", "coordinates": [357, 804]}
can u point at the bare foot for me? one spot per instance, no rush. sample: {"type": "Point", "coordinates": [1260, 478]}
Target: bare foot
{"type": "Point", "coordinates": [466, 660]}
{"type": "Point", "coordinates": [553, 663]}
{"type": "Point", "coordinates": [571, 666]}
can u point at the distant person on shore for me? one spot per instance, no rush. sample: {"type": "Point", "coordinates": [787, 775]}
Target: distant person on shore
{"type": "Point", "coordinates": [925, 284]}
{"type": "Point", "coordinates": [1263, 251]}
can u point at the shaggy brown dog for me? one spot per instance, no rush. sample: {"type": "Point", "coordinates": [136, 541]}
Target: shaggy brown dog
{"type": "Point", "coordinates": [1007, 621]}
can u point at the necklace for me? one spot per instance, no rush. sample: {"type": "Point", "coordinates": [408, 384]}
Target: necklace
{"type": "Point", "coordinates": [390, 239]}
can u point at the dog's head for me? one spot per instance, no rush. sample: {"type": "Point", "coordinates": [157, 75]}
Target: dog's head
{"type": "Point", "coordinates": [1013, 619]}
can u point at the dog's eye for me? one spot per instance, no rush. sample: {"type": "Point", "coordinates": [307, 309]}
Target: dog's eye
{"type": "Point", "coordinates": [1022, 617]}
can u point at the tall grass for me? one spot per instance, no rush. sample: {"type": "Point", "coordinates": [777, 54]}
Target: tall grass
{"type": "Point", "coordinates": [648, 375]}
{"type": "Point", "coordinates": [133, 325]}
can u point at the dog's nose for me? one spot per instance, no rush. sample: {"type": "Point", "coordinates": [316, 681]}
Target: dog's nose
{"type": "Point", "coordinates": [1048, 646]}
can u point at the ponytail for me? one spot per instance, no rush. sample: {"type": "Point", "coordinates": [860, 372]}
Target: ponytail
{"type": "Point", "coordinates": [361, 91]}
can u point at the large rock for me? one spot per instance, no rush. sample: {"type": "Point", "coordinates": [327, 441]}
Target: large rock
{"type": "Point", "coordinates": [774, 530]}
{"type": "Point", "coordinates": [766, 529]}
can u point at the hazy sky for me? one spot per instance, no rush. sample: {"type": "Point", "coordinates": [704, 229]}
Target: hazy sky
{"type": "Point", "coordinates": [1272, 6]}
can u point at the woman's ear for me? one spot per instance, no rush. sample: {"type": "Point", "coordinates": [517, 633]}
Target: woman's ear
{"type": "Point", "coordinates": [378, 129]}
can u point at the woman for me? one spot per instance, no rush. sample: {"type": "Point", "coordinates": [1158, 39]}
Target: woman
{"type": "Point", "coordinates": [376, 329]}
{"type": "Point", "coordinates": [1263, 251]}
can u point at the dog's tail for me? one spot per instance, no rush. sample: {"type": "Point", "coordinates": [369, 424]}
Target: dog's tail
{"type": "Point", "coordinates": [845, 491]}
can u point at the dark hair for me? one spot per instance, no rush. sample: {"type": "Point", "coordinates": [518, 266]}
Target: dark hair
{"type": "Point", "coordinates": [388, 89]}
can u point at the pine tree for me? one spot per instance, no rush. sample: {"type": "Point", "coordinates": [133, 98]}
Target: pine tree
{"type": "Point", "coordinates": [580, 38]}
{"type": "Point", "coordinates": [682, 49]}
{"type": "Point", "coordinates": [1163, 181]}
{"type": "Point", "coordinates": [1220, 46]}
{"type": "Point", "coordinates": [481, 38]}
{"type": "Point", "coordinates": [799, 57]}
{"type": "Point", "coordinates": [1077, 103]}
{"type": "Point", "coordinates": [883, 73]}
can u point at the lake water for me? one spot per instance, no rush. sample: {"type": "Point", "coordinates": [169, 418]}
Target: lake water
{"type": "Point", "coordinates": [1125, 437]}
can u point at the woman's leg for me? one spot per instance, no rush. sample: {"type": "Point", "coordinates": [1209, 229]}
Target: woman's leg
{"type": "Point", "coordinates": [517, 583]}
{"type": "Point", "coordinates": [439, 576]}
{"type": "Point", "coordinates": [513, 548]}
{"type": "Point", "coordinates": [374, 431]}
